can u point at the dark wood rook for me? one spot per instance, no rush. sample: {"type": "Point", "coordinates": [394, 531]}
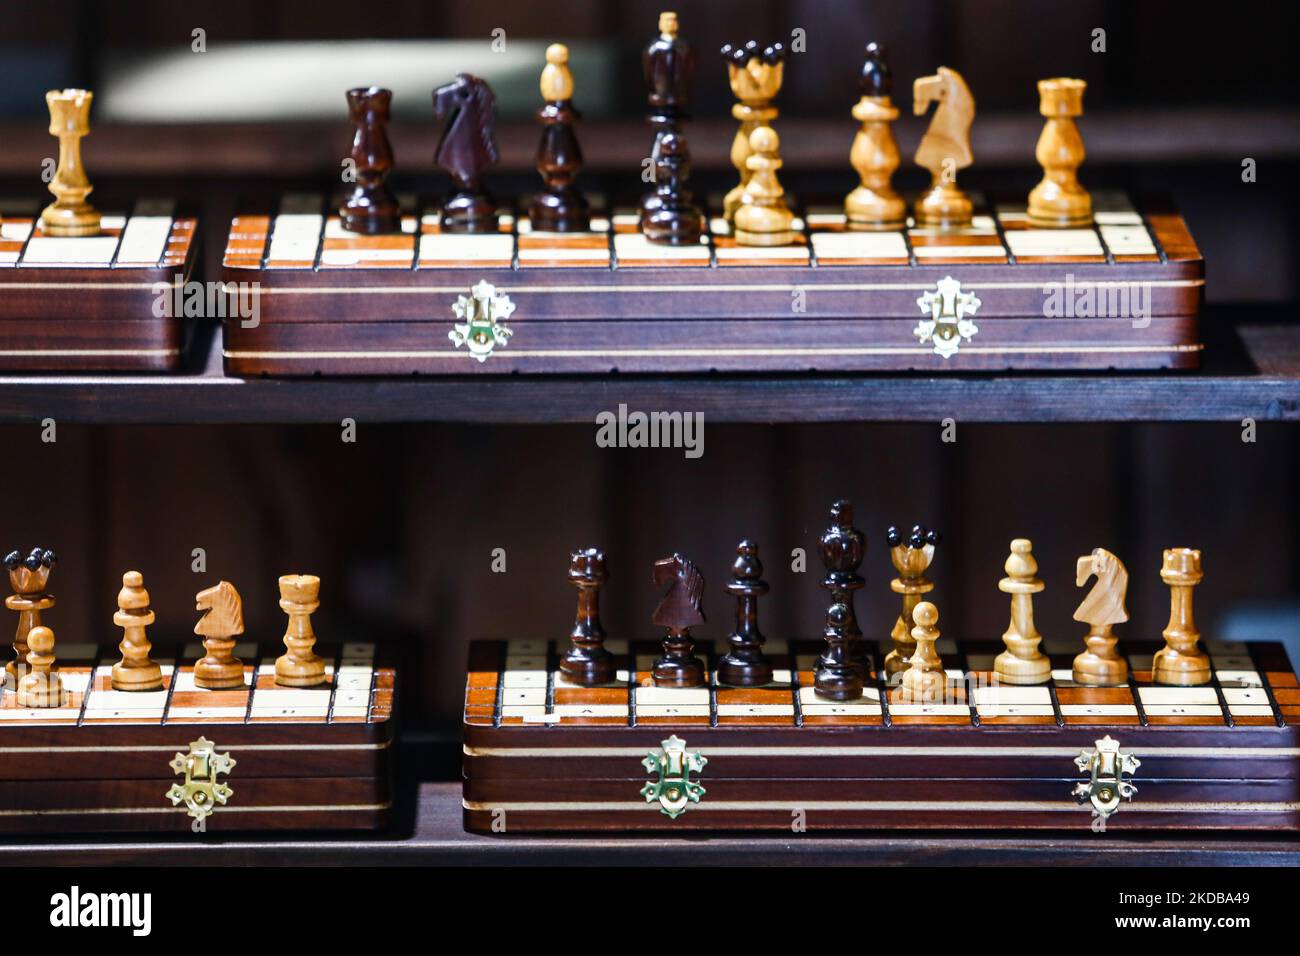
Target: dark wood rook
{"type": "Point", "coordinates": [744, 664]}
{"type": "Point", "coordinates": [588, 662]}
{"type": "Point", "coordinates": [559, 207]}
{"type": "Point", "coordinates": [836, 676]}
{"type": "Point", "coordinates": [843, 548]}
{"type": "Point", "coordinates": [681, 609]}
{"type": "Point", "coordinates": [467, 108]}
{"type": "Point", "coordinates": [372, 208]}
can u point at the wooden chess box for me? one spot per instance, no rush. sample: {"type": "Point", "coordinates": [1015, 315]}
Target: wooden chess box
{"type": "Point", "coordinates": [544, 755]}
{"type": "Point", "coordinates": [90, 303]}
{"type": "Point", "coordinates": [106, 760]}
{"type": "Point", "coordinates": [1124, 292]}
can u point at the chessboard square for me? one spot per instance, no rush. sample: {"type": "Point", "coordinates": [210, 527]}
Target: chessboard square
{"type": "Point", "coordinates": [1246, 678]}
{"type": "Point", "coordinates": [673, 710]}
{"type": "Point", "coordinates": [351, 711]}
{"type": "Point", "coordinates": [1182, 710]}
{"type": "Point", "coordinates": [230, 714]}
{"type": "Point", "coordinates": [524, 679]}
{"type": "Point", "coordinates": [523, 695]}
{"type": "Point", "coordinates": [359, 649]}
{"type": "Point", "coordinates": [1245, 695]}
{"type": "Point", "coordinates": [395, 257]}
{"type": "Point", "coordinates": [1230, 663]}
{"type": "Point", "coordinates": [353, 678]}
{"type": "Point", "coordinates": [929, 710]}
{"type": "Point", "coordinates": [591, 710]}
{"type": "Point", "coordinates": [994, 710]}
{"type": "Point", "coordinates": [134, 702]}
{"type": "Point", "coordinates": [762, 255]}
{"type": "Point", "coordinates": [524, 710]}
{"type": "Point", "coordinates": [467, 251]}
{"type": "Point", "coordinates": [1128, 240]}
{"type": "Point", "coordinates": [634, 247]}
{"type": "Point", "coordinates": [1054, 242]}
{"type": "Point", "coordinates": [144, 239]}
{"type": "Point", "coordinates": [1007, 694]}
{"type": "Point", "coordinates": [756, 710]}
{"type": "Point", "coordinates": [75, 681]}
{"type": "Point", "coordinates": [1178, 696]}
{"type": "Point", "coordinates": [671, 696]}
{"type": "Point", "coordinates": [826, 708]}
{"type": "Point", "coordinates": [525, 662]}
{"type": "Point", "coordinates": [1214, 645]}
{"type": "Point", "coordinates": [80, 251]}
{"type": "Point", "coordinates": [859, 245]}
{"type": "Point", "coordinates": [527, 647]}
{"type": "Point", "coordinates": [63, 715]}
{"type": "Point", "coordinates": [1251, 710]}
{"type": "Point", "coordinates": [781, 675]}
{"type": "Point", "coordinates": [1098, 710]}
{"type": "Point", "coordinates": [351, 698]}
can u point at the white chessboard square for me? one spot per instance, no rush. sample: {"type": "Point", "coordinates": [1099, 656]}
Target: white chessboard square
{"type": "Point", "coordinates": [964, 252]}
{"type": "Point", "coordinates": [859, 245]}
{"type": "Point", "coordinates": [1179, 696]}
{"type": "Point", "coordinates": [63, 714]}
{"type": "Point", "coordinates": [126, 703]}
{"type": "Point", "coordinates": [467, 249]}
{"type": "Point", "coordinates": [354, 257]}
{"type": "Point", "coordinates": [781, 675]}
{"type": "Point", "coordinates": [1231, 663]}
{"type": "Point", "coordinates": [1006, 694]}
{"type": "Point", "coordinates": [1213, 645]}
{"type": "Point", "coordinates": [675, 710]}
{"type": "Point", "coordinates": [1245, 695]}
{"type": "Point", "coordinates": [808, 696]}
{"type": "Point", "coordinates": [354, 678]}
{"type": "Point", "coordinates": [848, 708]}
{"type": "Point", "coordinates": [1243, 678]}
{"type": "Point", "coordinates": [1128, 240]}
{"type": "Point", "coordinates": [1250, 710]}
{"type": "Point", "coordinates": [524, 710]}
{"type": "Point", "coordinates": [929, 710]}
{"type": "Point", "coordinates": [231, 714]}
{"type": "Point", "coordinates": [651, 696]}
{"type": "Point", "coordinates": [344, 699]}
{"type": "Point", "coordinates": [78, 251]}
{"type": "Point", "coordinates": [1182, 710]}
{"type": "Point", "coordinates": [357, 649]}
{"type": "Point", "coordinates": [1098, 710]}
{"type": "Point", "coordinates": [591, 710]}
{"type": "Point", "coordinates": [634, 245]}
{"type": "Point", "coordinates": [15, 231]}
{"type": "Point", "coordinates": [993, 710]}
{"type": "Point", "coordinates": [756, 710]}
{"type": "Point", "coordinates": [524, 679]}
{"type": "Point", "coordinates": [144, 240]}
{"type": "Point", "coordinates": [528, 647]}
{"type": "Point", "coordinates": [1054, 242]}
{"type": "Point", "coordinates": [529, 662]}
{"type": "Point", "coordinates": [523, 695]}
{"type": "Point", "coordinates": [792, 253]}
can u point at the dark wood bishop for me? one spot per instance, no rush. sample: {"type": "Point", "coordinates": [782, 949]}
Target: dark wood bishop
{"type": "Point", "coordinates": [371, 209]}
{"type": "Point", "coordinates": [836, 676]}
{"type": "Point", "coordinates": [466, 149]}
{"type": "Point", "coordinates": [842, 550]}
{"type": "Point", "coordinates": [559, 206]}
{"type": "Point", "coordinates": [681, 608]}
{"type": "Point", "coordinates": [588, 662]}
{"type": "Point", "coordinates": [667, 212]}
{"type": "Point", "coordinates": [744, 664]}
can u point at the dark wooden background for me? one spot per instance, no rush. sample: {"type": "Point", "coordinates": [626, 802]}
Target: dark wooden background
{"type": "Point", "coordinates": [401, 525]}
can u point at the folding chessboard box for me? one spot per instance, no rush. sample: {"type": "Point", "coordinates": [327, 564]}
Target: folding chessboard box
{"type": "Point", "coordinates": [1125, 292]}
{"type": "Point", "coordinates": [301, 758]}
{"type": "Point", "coordinates": [91, 303]}
{"type": "Point", "coordinates": [544, 755]}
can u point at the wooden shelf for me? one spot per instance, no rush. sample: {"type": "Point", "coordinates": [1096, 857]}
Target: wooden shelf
{"type": "Point", "coordinates": [1252, 370]}
{"type": "Point", "coordinates": [435, 838]}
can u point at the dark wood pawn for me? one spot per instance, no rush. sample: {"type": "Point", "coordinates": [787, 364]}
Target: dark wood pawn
{"type": "Point", "coordinates": [559, 206]}
{"type": "Point", "coordinates": [842, 549]}
{"type": "Point", "coordinates": [371, 209]}
{"type": "Point", "coordinates": [674, 219]}
{"type": "Point", "coordinates": [668, 64]}
{"type": "Point", "coordinates": [588, 662]}
{"type": "Point", "coordinates": [744, 664]}
{"type": "Point", "coordinates": [681, 608]}
{"type": "Point", "coordinates": [466, 149]}
{"type": "Point", "coordinates": [836, 675]}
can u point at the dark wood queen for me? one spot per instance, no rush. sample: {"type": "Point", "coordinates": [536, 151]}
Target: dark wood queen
{"type": "Point", "coordinates": [1122, 292]}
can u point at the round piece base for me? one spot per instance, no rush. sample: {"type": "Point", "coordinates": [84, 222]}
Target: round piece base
{"type": "Point", "coordinates": [65, 222]}
{"type": "Point", "coordinates": [135, 679]}
{"type": "Point", "coordinates": [369, 223]}
{"type": "Point", "coordinates": [742, 673]}
{"type": "Point", "coordinates": [1094, 671]}
{"type": "Point", "coordinates": [783, 237]}
{"type": "Point", "coordinates": [299, 675]}
{"type": "Point", "coordinates": [675, 673]}
{"type": "Point", "coordinates": [589, 671]}
{"type": "Point", "coordinates": [838, 686]}
{"type": "Point", "coordinates": [218, 681]}
{"type": "Point", "coordinates": [1046, 221]}
{"type": "Point", "coordinates": [1180, 670]}
{"type": "Point", "coordinates": [1015, 670]}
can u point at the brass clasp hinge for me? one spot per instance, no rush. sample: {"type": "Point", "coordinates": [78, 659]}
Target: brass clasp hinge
{"type": "Point", "coordinates": [201, 792]}
{"type": "Point", "coordinates": [675, 790]}
{"type": "Point", "coordinates": [1105, 786]}
{"type": "Point", "coordinates": [949, 310]}
{"type": "Point", "coordinates": [483, 315]}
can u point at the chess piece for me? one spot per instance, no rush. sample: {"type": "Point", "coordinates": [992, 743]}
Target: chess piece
{"type": "Point", "coordinates": [681, 609]}
{"type": "Point", "coordinates": [69, 214]}
{"type": "Point", "coordinates": [1022, 662]}
{"type": "Point", "coordinates": [559, 207]}
{"type": "Point", "coordinates": [222, 621]}
{"type": "Point", "coordinates": [41, 686]}
{"type": "Point", "coordinates": [842, 549]}
{"type": "Point", "coordinates": [763, 218]}
{"type": "Point", "coordinates": [28, 577]}
{"type": "Point", "coordinates": [874, 155]}
{"type": "Point", "coordinates": [372, 207]}
{"type": "Point", "coordinates": [668, 64]}
{"type": "Point", "coordinates": [744, 664]}
{"type": "Point", "coordinates": [136, 670]}
{"type": "Point", "coordinates": [911, 557]}
{"type": "Point", "coordinates": [836, 676]}
{"type": "Point", "coordinates": [923, 681]}
{"type": "Point", "coordinates": [466, 148]}
{"type": "Point", "coordinates": [1181, 662]}
{"type": "Point", "coordinates": [673, 217]}
{"type": "Point", "coordinates": [1100, 665]}
{"type": "Point", "coordinates": [755, 76]}
{"type": "Point", "coordinates": [588, 662]}
{"type": "Point", "coordinates": [945, 148]}
{"type": "Point", "coordinates": [299, 666]}
{"type": "Point", "coordinates": [1059, 200]}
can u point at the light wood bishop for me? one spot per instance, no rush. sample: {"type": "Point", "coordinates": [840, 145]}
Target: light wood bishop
{"type": "Point", "coordinates": [1022, 662]}
{"type": "Point", "coordinates": [1181, 662]}
{"type": "Point", "coordinates": [136, 670]}
{"type": "Point", "coordinates": [299, 666]}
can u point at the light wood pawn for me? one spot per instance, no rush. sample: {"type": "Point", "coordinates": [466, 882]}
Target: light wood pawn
{"type": "Point", "coordinates": [41, 686]}
{"type": "Point", "coordinates": [69, 214]}
{"type": "Point", "coordinates": [219, 669]}
{"type": "Point", "coordinates": [299, 666]}
{"type": "Point", "coordinates": [945, 148]}
{"type": "Point", "coordinates": [1022, 662]}
{"type": "Point", "coordinates": [874, 155]}
{"type": "Point", "coordinates": [1181, 662]}
{"type": "Point", "coordinates": [1059, 200]}
{"type": "Point", "coordinates": [763, 218]}
{"type": "Point", "coordinates": [136, 670]}
{"type": "Point", "coordinates": [923, 681]}
{"type": "Point", "coordinates": [1101, 665]}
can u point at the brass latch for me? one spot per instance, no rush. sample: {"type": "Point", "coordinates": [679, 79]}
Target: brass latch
{"type": "Point", "coordinates": [1106, 786]}
{"type": "Point", "coordinates": [201, 791]}
{"type": "Point", "coordinates": [483, 315]}
{"type": "Point", "coordinates": [675, 790]}
{"type": "Point", "coordinates": [948, 308]}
